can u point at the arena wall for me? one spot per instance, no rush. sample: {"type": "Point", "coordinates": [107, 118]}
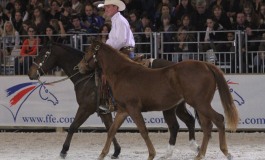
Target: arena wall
{"type": "Point", "coordinates": [25, 103]}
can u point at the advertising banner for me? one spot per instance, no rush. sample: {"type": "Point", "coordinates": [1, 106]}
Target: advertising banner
{"type": "Point", "coordinates": [30, 103]}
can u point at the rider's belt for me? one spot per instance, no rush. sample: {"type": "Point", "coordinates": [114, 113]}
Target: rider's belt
{"type": "Point", "coordinates": [127, 48]}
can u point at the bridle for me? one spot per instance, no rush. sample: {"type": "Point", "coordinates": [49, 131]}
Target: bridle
{"type": "Point", "coordinates": [94, 57]}
{"type": "Point", "coordinates": [40, 69]}
{"type": "Point", "coordinates": [46, 56]}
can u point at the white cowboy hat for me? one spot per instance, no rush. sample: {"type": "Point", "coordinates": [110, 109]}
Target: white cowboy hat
{"type": "Point", "coordinates": [118, 3]}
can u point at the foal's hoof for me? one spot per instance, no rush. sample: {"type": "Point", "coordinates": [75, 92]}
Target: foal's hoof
{"type": "Point", "coordinates": [199, 157]}
{"type": "Point", "coordinates": [229, 157]}
{"type": "Point", "coordinates": [63, 155]}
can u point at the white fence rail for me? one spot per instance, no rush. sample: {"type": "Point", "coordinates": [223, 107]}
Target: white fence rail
{"type": "Point", "coordinates": [234, 56]}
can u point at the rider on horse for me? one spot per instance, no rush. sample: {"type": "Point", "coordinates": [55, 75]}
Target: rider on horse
{"type": "Point", "coordinates": [120, 36]}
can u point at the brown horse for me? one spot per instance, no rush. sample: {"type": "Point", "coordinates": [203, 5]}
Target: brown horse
{"type": "Point", "coordinates": [67, 58]}
{"type": "Point", "coordinates": [138, 89]}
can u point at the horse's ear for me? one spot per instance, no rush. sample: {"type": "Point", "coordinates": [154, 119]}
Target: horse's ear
{"type": "Point", "coordinates": [95, 40]}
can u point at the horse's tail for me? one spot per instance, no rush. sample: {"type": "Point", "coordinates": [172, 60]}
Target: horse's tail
{"type": "Point", "coordinates": [230, 110]}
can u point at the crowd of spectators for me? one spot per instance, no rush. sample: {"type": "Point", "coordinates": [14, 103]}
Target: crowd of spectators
{"type": "Point", "coordinates": [60, 17]}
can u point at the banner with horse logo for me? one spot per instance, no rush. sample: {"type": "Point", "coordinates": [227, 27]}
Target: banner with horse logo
{"type": "Point", "coordinates": [30, 103]}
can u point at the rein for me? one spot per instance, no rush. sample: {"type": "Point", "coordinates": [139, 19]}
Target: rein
{"type": "Point", "coordinates": [46, 56]}
{"type": "Point", "coordinates": [61, 80]}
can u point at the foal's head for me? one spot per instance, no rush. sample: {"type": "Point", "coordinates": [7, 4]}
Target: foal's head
{"type": "Point", "coordinates": [89, 61]}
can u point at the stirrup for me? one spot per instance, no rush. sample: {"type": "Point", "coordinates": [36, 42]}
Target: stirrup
{"type": "Point", "coordinates": [104, 107]}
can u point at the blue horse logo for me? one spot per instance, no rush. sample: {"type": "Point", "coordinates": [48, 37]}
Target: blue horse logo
{"type": "Point", "coordinates": [237, 97]}
{"type": "Point", "coordinates": [23, 91]}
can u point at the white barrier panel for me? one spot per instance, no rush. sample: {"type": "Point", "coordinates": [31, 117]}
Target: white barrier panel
{"type": "Point", "coordinates": [28, 103]}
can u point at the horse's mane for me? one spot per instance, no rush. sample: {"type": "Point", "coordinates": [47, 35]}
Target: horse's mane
{"type": "Point", "coordinates": [71, 50]}
{"type": "Point", "coordinates": [116, 52]}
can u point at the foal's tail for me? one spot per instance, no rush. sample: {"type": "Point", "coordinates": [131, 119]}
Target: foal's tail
{"type": "Point", "coordinates": [230, 110]}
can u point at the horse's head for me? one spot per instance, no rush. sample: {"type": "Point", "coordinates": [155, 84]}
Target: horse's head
{"type": "Point", "coordinates": [89, 61]}
{"type": "Point", "coordinates": [42, 63]}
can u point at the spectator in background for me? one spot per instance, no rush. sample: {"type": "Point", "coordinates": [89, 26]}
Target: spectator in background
{"type": "Point", "coordinates": [137, 39]}
{"type": "Point", "coordinates": [183, 45]}
{"type": "Point", "coordinates": [66, 16]}
{"type": "Point", "coordinates": [77, 30]}
{"type": "Point", "coordinates": [228, 47]}
{"type": "Point", "coordinates": [10, 38]}
{"type": "Point", "coordinates": [261, 16]}
{"type": "Point", "coordinates": [39, 21]}
{"type": "Point", "coordinates": [52, 36]}
{"type": "Point", "coordinates": [24, 31]}
{"type": "Point", "coordinates": [251, 16]}
{"type": "Point", "coordinates": [29, 48]}
{"type": "Point", "coordinates": [134, 20]}
{"type": "Point", "coordinates": [164, 9]}
{"type": "Point", "coordinates": [232, 9]}
{"type": "Point", "coordinates": [91, 21]}
{"type": "Point", "coordinates": [223, 3]}
{"type": "Point", "coordinates": [147, 38]}
{"type": "Point", "coordinates": [9, 8]}
{"type": "Point", "coordinates": [164, 2]}
{"type": "Point", "coordinates": [259, 59]}
{"type": "Point", "coordinates": [167, 28]}
{"type": "Point", "coordinates": [55, 11]}
{"type": "Point", "coordinates": [257, 4]}
{"type": "Point", "coordinates": [103, 32]}
{"type": "Point", "coordinates": [149, 7]}
{"type": "Point", "coordinates": [3, 16]}
{"type": "Point", "coordinates": [31, 7]}
{"type": "Point", "coordinates": [17, 21]}
{"type": "Point", "coordinates": [145, 21]}
{"type": "Point", "coordinates": [220, 17]}
{"type": "Point", "coordinates": [183, 8]}
{"type": "Point", "coordinates": [77, 6]}
{"type": "Point", "coordinates": [18, 8]}
{"type": "Point", "coordinates": [199, 17]}
{"type": "Point", "coordinates": [242, 25]}
{"type": "Point", "coordinates": [212, 34]}
{"type": "Point", "coordinates": [185, 22]}
{"type": "Point", "coordinates": [58, 26]}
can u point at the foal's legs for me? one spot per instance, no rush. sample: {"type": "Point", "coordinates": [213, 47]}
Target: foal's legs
{"type": "Point", "coordinates": [139, 121]}
{"type": "Point", "coordinates": [119, 119]}
{"type": "Point", "coordinates": [107, 119]}
{"type": "Point", "coordinates": [206, 126]}
{"type": "Point", "coordinates": [208, 115]}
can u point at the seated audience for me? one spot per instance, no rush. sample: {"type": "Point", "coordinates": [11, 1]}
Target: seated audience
{"type": "Point", "coordinates": [29, 48]}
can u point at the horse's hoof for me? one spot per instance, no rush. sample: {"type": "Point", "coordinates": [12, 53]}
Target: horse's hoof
{"type": "Point", "coordinates": [229, 157]}
{"type": "Point", "coordinates": [116, 154]}
{"type": "Point", "coordinates": [169, 153]}
{"type": "Point", "coordinates": [194, 146]}
{"type": "Point", "coordinates": [114, 157]}
{"type": "Point", "coordinates": [63, 155]}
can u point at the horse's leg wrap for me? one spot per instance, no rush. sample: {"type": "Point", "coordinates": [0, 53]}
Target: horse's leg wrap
{"type": "Point", "coordinates": [194, 146]}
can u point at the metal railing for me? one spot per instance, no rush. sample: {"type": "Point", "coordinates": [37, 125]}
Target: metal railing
{"type": "Point", "coordinates": [235, 60]}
